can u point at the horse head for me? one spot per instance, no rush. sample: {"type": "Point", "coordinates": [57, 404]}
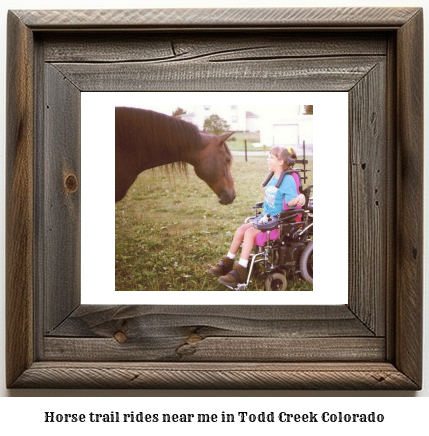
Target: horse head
{"type": "Point", "coordinates": [213, 165]}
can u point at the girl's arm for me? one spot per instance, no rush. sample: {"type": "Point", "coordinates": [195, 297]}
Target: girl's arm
{"type": "Point", "coordinates": [289, 190]}
{"type": "Point", "coordinates": [297, 201]}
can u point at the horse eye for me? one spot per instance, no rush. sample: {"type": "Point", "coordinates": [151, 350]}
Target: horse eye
{"type": "Point", "coordinates": [228, 160]}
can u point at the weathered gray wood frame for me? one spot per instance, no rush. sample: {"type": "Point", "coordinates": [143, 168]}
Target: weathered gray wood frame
{"type": "Point", "coordinates": [374, 342]}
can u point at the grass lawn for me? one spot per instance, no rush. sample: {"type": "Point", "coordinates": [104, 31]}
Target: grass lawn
{"type": "Point", "coordinates": [170, 229]}
{"type": "Point", "coordinates": [236, 141]}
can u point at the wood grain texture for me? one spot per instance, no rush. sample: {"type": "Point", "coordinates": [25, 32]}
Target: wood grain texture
{"type": "Point", "coordinates": [19, 200]}
{"type": "Point", "coordinates": [193, 348]}
{"type": "Point", "coordinates": [368, 217]}
{"type": "Point", "coordinates": [214, 333]}
{"type": "Point", "coordinates": [149, 19]}
{"type": "Point", "coordinates": [391, 184]}
{"type": "Point", "coordinates": [331, 74]}
{"type": "Point", "coordinates": [242, 321]}
{"type": "Point", "coordinates": [111, 375]}
{"type": "Point", "coordinates": [410, 219]}
{"type": "Point", "coordinates": [374, 343]}
{"type": "Point", "coordinates": [61, 198]}
{"type": "Point", "coordinates": [243, 46]}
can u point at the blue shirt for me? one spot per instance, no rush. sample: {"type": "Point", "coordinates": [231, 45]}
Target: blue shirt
{"type": "Point", "coordinates": [273, 202]}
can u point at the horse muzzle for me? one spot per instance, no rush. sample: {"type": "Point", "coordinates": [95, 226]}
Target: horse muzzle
{"type": "Point", "coordinates": [227, 197]}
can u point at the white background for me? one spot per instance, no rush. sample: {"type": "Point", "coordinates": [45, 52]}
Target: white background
{"type": "Point", "coordinates": [26, 414]}
{"type": "Point", "coordinates": [98, 226]}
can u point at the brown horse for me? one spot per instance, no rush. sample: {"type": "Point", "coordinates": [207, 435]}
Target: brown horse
{"type": "Point", "coordinates": [145, 139]}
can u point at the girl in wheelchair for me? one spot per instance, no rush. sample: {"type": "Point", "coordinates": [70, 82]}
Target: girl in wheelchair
{"type": "Point", "coordinates": [279, 160]}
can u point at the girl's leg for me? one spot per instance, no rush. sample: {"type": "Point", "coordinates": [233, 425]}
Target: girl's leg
{"type": "Point", "coordinates": [227, 262]}
{"type": "Point", "coordinates": [239, 237]}
{"type": "Point", "coordinates": [248, 242]}
{"type": "Point", "coordinates": [240, 272]}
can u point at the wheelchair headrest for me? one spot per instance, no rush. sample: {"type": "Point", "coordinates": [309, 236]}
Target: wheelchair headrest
{"type": "Point", "coordinates": [290, 162]}
{"type": "Point", "coordinates": [282, 176]}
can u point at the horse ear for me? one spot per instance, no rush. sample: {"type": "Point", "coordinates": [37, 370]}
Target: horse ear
{"type": "Point", "coordinates": [225, 136]}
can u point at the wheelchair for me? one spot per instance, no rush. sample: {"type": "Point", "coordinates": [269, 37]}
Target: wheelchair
{"type": "Point", "coordinates": [284, 248]}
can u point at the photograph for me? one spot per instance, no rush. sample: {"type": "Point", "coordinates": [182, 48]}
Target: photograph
{"type": "Point", "coordinates": [213, 197]}
{"type": "Point", "coordinates": [170, 229]}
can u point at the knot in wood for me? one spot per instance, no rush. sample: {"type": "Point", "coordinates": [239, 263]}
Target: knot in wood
{"type": "Point", "coordinates": [120, 337]}
{"type": "Point", "coordinates": [70, 183]}
{"type": "Point", "coordinates": [193, 338]}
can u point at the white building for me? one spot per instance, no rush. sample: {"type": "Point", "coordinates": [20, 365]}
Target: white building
{"type": "Point", "coordinates": [287, 126]}
{"type": "Point", "coordinates": [236, 116]}
{"type": "Point", "coordinates": [279, 125]}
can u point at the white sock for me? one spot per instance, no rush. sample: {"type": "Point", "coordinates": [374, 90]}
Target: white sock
{"type": "Point", "coordinates": [243, 262]}
{"type": "Point", "coordinates": [230, 255]}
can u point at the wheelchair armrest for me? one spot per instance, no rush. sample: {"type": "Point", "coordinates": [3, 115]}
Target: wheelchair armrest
{"type": "Point", "coordinates": [249, 219]}
{"type": "Point", "coordinates": [290, 214]}
{"type": "Point", "coordinates": [258, 205]}
{"type": "Point", "coordinates": [307, 194]}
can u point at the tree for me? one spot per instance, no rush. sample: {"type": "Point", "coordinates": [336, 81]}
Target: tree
{"type": "Point", "coordinates": [215, 124]}
{"type": "Point", "coordinates": [178, 111]}
{"type": "Point", "coordinates": [308, 109]}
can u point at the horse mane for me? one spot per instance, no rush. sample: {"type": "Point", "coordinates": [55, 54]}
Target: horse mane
{"type": "Point", "coordinates": [166, 134]}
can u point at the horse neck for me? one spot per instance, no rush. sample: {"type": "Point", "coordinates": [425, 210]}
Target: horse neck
{"type": "Point", "coordinates": [162, 157]}
{"type": "Point", "coordinates": [147, 162]}
{"type": "Point", "coordinates": [144, 150]}
{"type": "Point", "coordinates": [171, 152]}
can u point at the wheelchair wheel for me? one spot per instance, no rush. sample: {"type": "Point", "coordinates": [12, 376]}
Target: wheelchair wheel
{"type": "Point", "coordinates": [275, 282]}
{"type": "Point", "coordinates": [306, 263]}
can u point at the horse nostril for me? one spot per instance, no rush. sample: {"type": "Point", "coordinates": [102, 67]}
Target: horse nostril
{"type": "Point", "coordinates": [227, 198]}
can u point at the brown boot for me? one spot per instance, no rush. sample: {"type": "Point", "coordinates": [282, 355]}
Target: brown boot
{"type": "Point", "coordinates": [234, 277]}
{"type": "Point", "coordinates": [222, 267]}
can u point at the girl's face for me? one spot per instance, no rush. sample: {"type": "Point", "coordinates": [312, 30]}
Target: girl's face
{"type": "Point", "coordinates": [274, 163]}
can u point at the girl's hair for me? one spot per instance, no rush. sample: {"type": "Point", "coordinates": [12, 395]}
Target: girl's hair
{"type": "Point", "coordinates": [284, 154]}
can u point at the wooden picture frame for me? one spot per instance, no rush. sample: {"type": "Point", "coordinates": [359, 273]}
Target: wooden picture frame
{"type": "Point", "coordinates": [374, 342]}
